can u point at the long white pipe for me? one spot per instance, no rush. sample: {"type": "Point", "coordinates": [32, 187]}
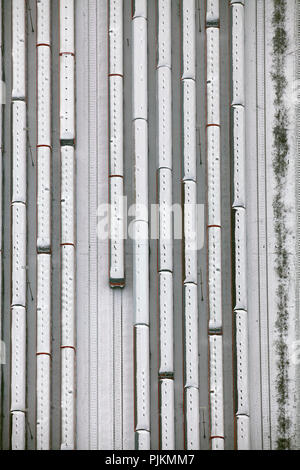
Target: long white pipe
{"type": "Point", "coordinates": [190, 280]}
{"type": "Point", "coordinates": [116, 165]}
{"type": "Point", "coordinates": [19, 214]}
{"type": "Point", "coordinates": [165, 268]}
{"type": "Point", "coordinates": [140, 226]}
{"type": "Point", "coordinates": [44, 150]}
{"type": "Point", "coordinates": [239, 208]}
{"type": "Point", "coordinates": [2, 101]}
{"type": "Point", "coordinates": [67, 141]}
{"type": "Point", "coordinates": [215, 327]}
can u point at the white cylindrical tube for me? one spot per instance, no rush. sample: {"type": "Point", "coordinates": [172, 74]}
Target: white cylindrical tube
{"type": "Point", "coordinates": [68, 242]}
{"type": "Point", "coordinates": [190, 273]}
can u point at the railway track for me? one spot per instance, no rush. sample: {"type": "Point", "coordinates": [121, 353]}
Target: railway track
{"type": "Point", "coordinates": [262, 226]}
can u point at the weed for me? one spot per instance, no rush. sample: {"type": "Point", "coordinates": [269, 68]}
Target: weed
{"type": "Point", "coordinates": [280, 168]}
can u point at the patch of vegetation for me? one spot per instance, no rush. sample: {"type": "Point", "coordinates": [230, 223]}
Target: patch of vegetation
{"type": "Point", "coordinates": [280, 168]}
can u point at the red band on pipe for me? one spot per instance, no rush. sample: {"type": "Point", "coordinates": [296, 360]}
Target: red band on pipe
{"type": "Point", "coordinates": [44, 146]}
{"type": "Point", "coordinates": [68, 347]}
{"type": "Point", "coordinates": [67, 53]}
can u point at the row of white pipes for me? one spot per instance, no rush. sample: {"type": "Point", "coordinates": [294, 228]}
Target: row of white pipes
{"type": "Point", "coordinates": [19, 200]}
{"type": "Point", "coordinates": [214, 229]}
{"type": "Point", "coordinates": [165, 254]}
{"type": "Point", "coordinates": [190, 276]}
{"type": "Point", "coordinates": [44, 150]}
{"type": "Point", "coordinates": [19, 213]}
{"type": "Point", "coordinates": [141, 244]}
{"type": "Point", "coordinates": [141, 226]}
{"type": "Point", "coordinates": [67, 142]}
{"type": "Point", "coordinates": [239, 211]}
